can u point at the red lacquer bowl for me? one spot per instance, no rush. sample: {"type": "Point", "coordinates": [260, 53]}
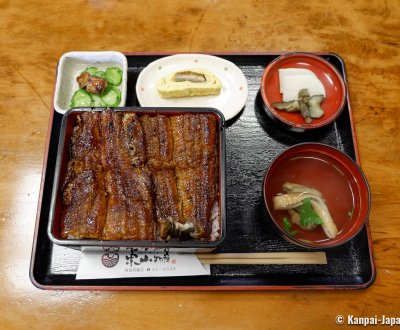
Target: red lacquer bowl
{"type": "Point", "coordinates": [342, 183]}
{"type": "Point", "coordinates": [335, 89]}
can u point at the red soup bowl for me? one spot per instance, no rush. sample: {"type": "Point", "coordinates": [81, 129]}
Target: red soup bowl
{"type": "Point", "coordinates": [343, 187]}
{"type": "Point", "coordinates": [334, 85]}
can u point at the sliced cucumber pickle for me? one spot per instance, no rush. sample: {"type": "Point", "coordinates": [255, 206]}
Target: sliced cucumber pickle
{"type": "Point", "coordinates": [91, 70]}
{"type": "Point", "coordinates": [97, 101]}
{"type": "Point", "coordinates": [114, 75]}
{"type": "Point", "coordinates": [81, 98]}
{"type": "Point", "coordinates": [100, 74]}
{"type": "Point", "coordinates": [112, 97]}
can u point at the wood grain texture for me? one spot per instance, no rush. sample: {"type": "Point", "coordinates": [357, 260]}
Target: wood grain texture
{"type": "Point", "coordinates": [35, 35]}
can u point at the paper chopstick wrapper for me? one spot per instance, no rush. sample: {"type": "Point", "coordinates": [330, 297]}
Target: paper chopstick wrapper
{"type": "Point", "coordinates": [268, 258]}
{"type": "Point", "coordinates": [131, 262]}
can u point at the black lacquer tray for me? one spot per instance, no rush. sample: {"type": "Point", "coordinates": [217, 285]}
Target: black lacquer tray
{"type": "Point", "coordinates": [252, 142]}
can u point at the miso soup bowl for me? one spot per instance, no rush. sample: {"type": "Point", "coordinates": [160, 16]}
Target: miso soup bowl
{"type": "Point", "coordinates": [341, 181]}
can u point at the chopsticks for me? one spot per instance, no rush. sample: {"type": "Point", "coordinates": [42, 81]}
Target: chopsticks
{"type": "Point", "coordinates": [268, 258]}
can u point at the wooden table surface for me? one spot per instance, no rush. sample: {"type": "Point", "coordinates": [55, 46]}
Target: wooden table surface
{"type": "Point", "coordinates": [35, 35]}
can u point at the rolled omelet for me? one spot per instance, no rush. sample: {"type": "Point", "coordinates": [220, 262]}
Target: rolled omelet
{"type": "Point", "coordinates": [190, 82]}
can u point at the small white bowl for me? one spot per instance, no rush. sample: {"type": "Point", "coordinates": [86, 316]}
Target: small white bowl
{"type": "Point", "coordinates": [73, 63]}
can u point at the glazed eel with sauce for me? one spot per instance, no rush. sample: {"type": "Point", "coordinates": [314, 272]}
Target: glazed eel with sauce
{"type": "Point", "coordinates": [141, 177]}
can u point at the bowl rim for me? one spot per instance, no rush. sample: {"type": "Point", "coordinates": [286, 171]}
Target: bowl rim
{"type": "Point", "coordinates": [329, 243]}
{"type": "Point", "coordinates": [303, 126]}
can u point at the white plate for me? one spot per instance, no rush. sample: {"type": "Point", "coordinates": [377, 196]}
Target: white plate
{"type": "Point", "coordinates": [230, 101]}
{"type": "Point", "coordinates": [73, 63]}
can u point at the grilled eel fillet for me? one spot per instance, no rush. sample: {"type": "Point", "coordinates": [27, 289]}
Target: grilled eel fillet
{"type": "Point", "coordinates": [159, 151]}
{"type": "Point", "coordinates": [127, 173]}
{"type": "Point", "coordinates": [195, 161]}
{"type": "Point", "coordinates": [107, 192]}
{"type": "Point", "coordinates": [128, 181]}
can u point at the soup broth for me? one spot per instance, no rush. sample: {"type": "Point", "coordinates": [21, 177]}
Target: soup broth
{"type": "Point", "coordinates": [333, 181]}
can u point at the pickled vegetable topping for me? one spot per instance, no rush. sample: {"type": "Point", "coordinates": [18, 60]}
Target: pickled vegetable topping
{"type": "Point", "coordinates": [308, 215]}
{"type": "Point", "coordinates": [98, 88]}
{"type": "Point", "coordinates": [308, 106]}
{"type": "Point", "coordinates": [302, 92]}
{"type": "Point", "coordinates": [306, 207]}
